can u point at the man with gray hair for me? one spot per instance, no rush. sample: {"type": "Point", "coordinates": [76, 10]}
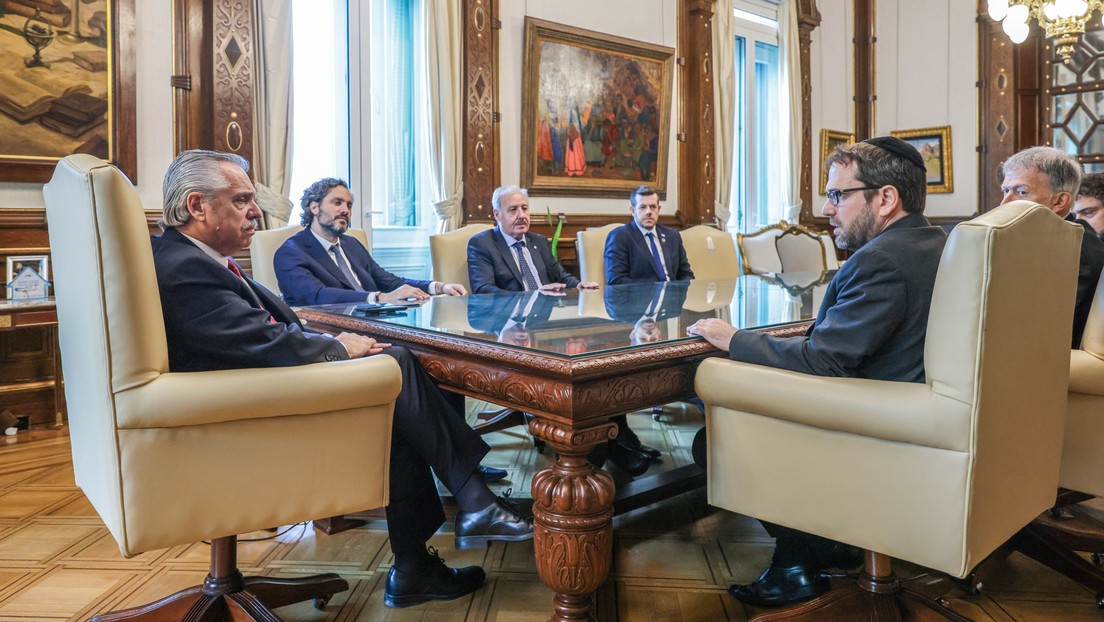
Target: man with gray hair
{"type": "Point", "coordinates": [510, 258]}
{"type": "Point", "coordinates": [1052, 178]}
{"type": "Point", "coordinates": [216, 318]}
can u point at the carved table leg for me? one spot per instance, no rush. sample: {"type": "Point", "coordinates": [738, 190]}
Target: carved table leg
{"type": "Point", "coordinates": [572, 510]}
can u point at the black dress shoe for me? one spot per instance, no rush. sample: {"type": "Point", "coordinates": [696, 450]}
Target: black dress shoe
{"type": "Point", "coordinates": [628, 460]}
{"type": "Point", "coordinates": [438, 582]}
{"type": "Point", "coordinates": [491, 475]}
{"type": "Point", "coordinates": [633, 442]}
{"type": "Point", "coordinates": [501, 520]}
{"type": "Point", "coordinates": [781, 586]}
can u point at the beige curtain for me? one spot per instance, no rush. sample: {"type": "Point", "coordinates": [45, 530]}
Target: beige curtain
{"type": "Point", "coordinates": [790, 44]}
{"type": "Point", "coordinates": [724, 105]}
{"type": "Point", "coordinates": [444, 48]}
{"type": "Point", "coordinates": [272, 109]}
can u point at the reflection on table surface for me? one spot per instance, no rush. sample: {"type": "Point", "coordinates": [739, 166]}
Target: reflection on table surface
{"type": "Point", "coordinates": [577, 323]}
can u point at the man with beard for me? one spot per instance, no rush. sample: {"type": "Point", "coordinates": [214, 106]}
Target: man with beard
{"type": "Point", "coordinates": [322, 265]}
{"type": "Point", "coordinates": [872, 323]}
{"type": "Point", "coordinates": [216, 318]}
{"type": "Point", "coordinates": [1089, 206]}
{"type": "Point", "coordinates": [1052, 178]}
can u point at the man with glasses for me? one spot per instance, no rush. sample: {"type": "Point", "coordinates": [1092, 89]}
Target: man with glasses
{"type": "Point", "coordinates": [872, 323]}
{"type": "Point", "coordinates": [1052, 178]}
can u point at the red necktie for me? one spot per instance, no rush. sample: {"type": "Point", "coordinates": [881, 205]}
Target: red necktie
{"type": "Point", "coordinates": [234, 268]}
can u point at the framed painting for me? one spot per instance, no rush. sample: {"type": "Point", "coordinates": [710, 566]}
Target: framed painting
{"type": "Point", "coordinates": [829, 140]}
{"type": "Point", "coordinates": [66, 85]}
{"type": "Point", "coordinates": [934, 144]}
{"type": "Point", "coordinates": [596, 112]}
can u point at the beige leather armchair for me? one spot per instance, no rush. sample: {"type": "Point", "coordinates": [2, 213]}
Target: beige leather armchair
{"type": "Point", "coordinates": [711, 253]}
{"type": "Point", "coordinates": [173, 458]}
{"type": "Point", "coordinates": [590, 248]}
{"type": "Point", "coordinates": [802, 250]}
{"type": "Point", "coordinates": [262, 252]}
{"type": "Point", "coordinates": [758, 254]}
{"type": "Point", "coordinates": [941, 473]}
{"type": "Point", "coordinates": [449, 252]}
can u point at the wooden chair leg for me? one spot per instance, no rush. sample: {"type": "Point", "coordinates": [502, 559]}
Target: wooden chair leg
{"type": "Point", "coordinates": [876, 596]}
{"type": "Point", "coordinates": [226, 595]}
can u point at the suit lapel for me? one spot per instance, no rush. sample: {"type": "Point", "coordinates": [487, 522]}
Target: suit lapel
{"type": "Point", "coordinates": [507, 254]}
{"type": "Point", "coordinates": [322, 256]}
{"type": "Point", "coordinates": [359, 260]}
{"type": "Point", "coordinates": [271, 303]}
{"type": "Point", "coordinates": [538, 259]}
{"type": "Point", "coordinates": [643, 243]}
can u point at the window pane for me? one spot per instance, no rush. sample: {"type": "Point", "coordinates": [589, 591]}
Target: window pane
{"type": "Point", "coordinates": [768, 136]}
{"type": "Point", "coordinates": [320, 93]}
{"type": "Point", "coordinates": [392, 52]}
{"type": "Point", "coordinates": [738, 202]}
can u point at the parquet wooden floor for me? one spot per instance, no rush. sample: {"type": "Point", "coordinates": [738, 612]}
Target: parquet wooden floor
{"type": "Point", "coordinates": [673, 561]}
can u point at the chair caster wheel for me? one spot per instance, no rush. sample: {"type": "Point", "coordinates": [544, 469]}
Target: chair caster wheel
{"type": "Point", "coordinates": [321, 602]}
{"type": "Point", "coordinates": [1097, 559]}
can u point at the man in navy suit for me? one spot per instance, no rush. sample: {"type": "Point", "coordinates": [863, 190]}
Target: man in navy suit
{"type": "Point", "coordinates": [322, 265]}
{"type": "Point", "coordinates": [216, 318]}
{"type": "Point", "coordinates": [644, 250]}
{"type": "Point", "coordinates": [510, 257]}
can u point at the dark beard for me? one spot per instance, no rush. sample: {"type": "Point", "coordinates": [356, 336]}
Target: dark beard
{"type": "Point", "coordinates": [862, 230]}
{"type": "Point", "coordinates": [332, 228]}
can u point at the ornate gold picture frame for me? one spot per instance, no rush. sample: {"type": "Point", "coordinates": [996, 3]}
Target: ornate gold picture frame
{"type": "Point", "coordinates": [829, 140]}
{"type": "Point", "coordinates": [934, 144]}
{"type": "Point", "coordinates": [596, 112]}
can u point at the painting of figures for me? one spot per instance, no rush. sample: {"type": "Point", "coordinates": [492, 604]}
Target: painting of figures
{"type": "Point", "coordinates": [596, 112]}
{"type": "Point", "coordinates": [58, 79]}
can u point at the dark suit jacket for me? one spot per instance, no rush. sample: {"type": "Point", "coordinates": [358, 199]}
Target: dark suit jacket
{"type": "Point", "coordinates": [215, 321]}
{"type": "Point", "coordinates": [308, 275]}
{"type": "Point", "coordinates": [491, 265]}
{"type": "Point", "coordinates": [629, 260]}
{"type": "Point", "coordinates": [874, 317]}
{"type": "Point", "coordinates": [1088, 275]}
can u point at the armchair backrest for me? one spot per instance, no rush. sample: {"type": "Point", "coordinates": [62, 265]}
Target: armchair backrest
{"type": "Point", "coordinates": [449, 252]}
{"type": "Point", "coordinates": [801, 250]}
{"type": "Point", "coordinates": [758, 254]}
{"type": "Point", "coordinates": [989, 345]}
{"type": "Point", "coordinates": [262, 252]}
{"type": "Point", "coordinates": [102, 262]}
{"type": "Point", "coordinates": [590, 248]}
{"type": "Point", "coordinates": [711, 253]}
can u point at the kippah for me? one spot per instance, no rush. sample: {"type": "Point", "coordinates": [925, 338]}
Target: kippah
{"type": "Point", "coordinates": [899, 148]}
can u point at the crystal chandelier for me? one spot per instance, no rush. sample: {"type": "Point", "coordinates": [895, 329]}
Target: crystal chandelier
{"type": "Point", "coordinates": [1063, 20]}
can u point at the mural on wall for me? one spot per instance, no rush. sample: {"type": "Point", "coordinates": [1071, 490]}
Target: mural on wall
{"type": "Point", "coordinates": [57, 83]}
{"type": "Point", "coordinates": [596, 113]}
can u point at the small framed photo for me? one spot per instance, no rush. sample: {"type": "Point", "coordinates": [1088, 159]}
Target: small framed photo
{"type": "Point", "coordinates": [829, 140]}
{"type": "Point", "coordinates": [934, 144]}
{"type": "Point", "coordinates": [28, 277]}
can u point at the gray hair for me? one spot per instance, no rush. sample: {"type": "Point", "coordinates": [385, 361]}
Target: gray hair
{"type": "Point", "coordinates": [196, 170]}
{"type": "Point", "coordinates": [1062, 170]}
{"type": "Point", "coordinates": [505, 191]}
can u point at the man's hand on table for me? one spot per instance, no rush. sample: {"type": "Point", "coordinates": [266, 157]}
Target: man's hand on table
{"type": "Point", "coordinates": [717, 332]}
{"type": "Point", "coordinates": [359, 346]}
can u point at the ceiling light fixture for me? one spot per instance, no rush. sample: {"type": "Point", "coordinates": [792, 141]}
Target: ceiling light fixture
{"type": "Point", "coordinates": [1063, 20]}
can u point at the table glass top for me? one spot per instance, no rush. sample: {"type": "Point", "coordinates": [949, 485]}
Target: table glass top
{"type": "Point", "coordinates": [579, 322]}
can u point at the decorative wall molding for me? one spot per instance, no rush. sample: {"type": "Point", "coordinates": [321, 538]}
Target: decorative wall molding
{"type": "Point", "coordinates": [865, 68]}
{"type": "Point", "coordinates": [695, 131]}
{"type": "Point", "coordinates": [808, 19]}
{"type": "Point", "coordinates": [481, 117]}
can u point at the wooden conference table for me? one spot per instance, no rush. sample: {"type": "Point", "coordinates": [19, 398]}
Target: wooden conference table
{"type": "Point", "coordinates": [574, 361]}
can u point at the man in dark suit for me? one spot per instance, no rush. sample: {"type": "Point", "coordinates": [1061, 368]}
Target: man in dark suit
{"type": "Point", "coordinates": [510, 257]}
{"type": "Point", "coordinates": [872, 323]}
{"type": "Point", "coordinates": [1089, 205]}
{"type": "Point", "coordinates": [644, 250]}
{"type": "Point", "coordinates": [322, 265]}
{"type": "Point", "coordinates": [1052, 178]}
{"type": "Point", "coordinates": [215, 318]}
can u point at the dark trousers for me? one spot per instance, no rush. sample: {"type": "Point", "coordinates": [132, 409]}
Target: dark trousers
{"type": "Point", "coordinates": [428, 437]}
{"type": "Point", "coordinates": [796, 548]}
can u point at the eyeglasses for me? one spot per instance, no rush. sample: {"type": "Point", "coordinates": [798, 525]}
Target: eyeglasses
{"type": "Point", "coordinates": [835, 195]}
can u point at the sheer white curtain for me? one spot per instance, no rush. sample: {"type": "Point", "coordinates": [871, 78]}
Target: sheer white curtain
{"type": "Point", "coordinates": [444, 49]}
{"type": "Point", "coordinates": [790, 44]}
{"type": "Point", "coordinates": [272, 109]}
{"type": "Point", "coordinates": [724, 105]}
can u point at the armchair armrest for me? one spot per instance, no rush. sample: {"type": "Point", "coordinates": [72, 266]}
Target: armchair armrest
{"type": "Point", "coordinates": [852, 405]}
{"type": "Point", "coordinates": [197, 398]}
{"type": "Point", "coordinates": [1086, 373]}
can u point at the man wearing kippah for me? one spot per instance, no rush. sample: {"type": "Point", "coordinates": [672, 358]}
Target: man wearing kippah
{"type": "Point", "coordinates": [1052, 178]}
{"type": "Point", "coordinates": [872, 323]}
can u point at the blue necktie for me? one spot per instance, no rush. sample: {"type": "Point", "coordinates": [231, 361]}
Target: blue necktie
{"type": "Point", "coordinates": [655, 257]}
{"type": "Point", "coordinates": [526, 273]}
{"type": "Point", "coordinates": [344, 266]}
